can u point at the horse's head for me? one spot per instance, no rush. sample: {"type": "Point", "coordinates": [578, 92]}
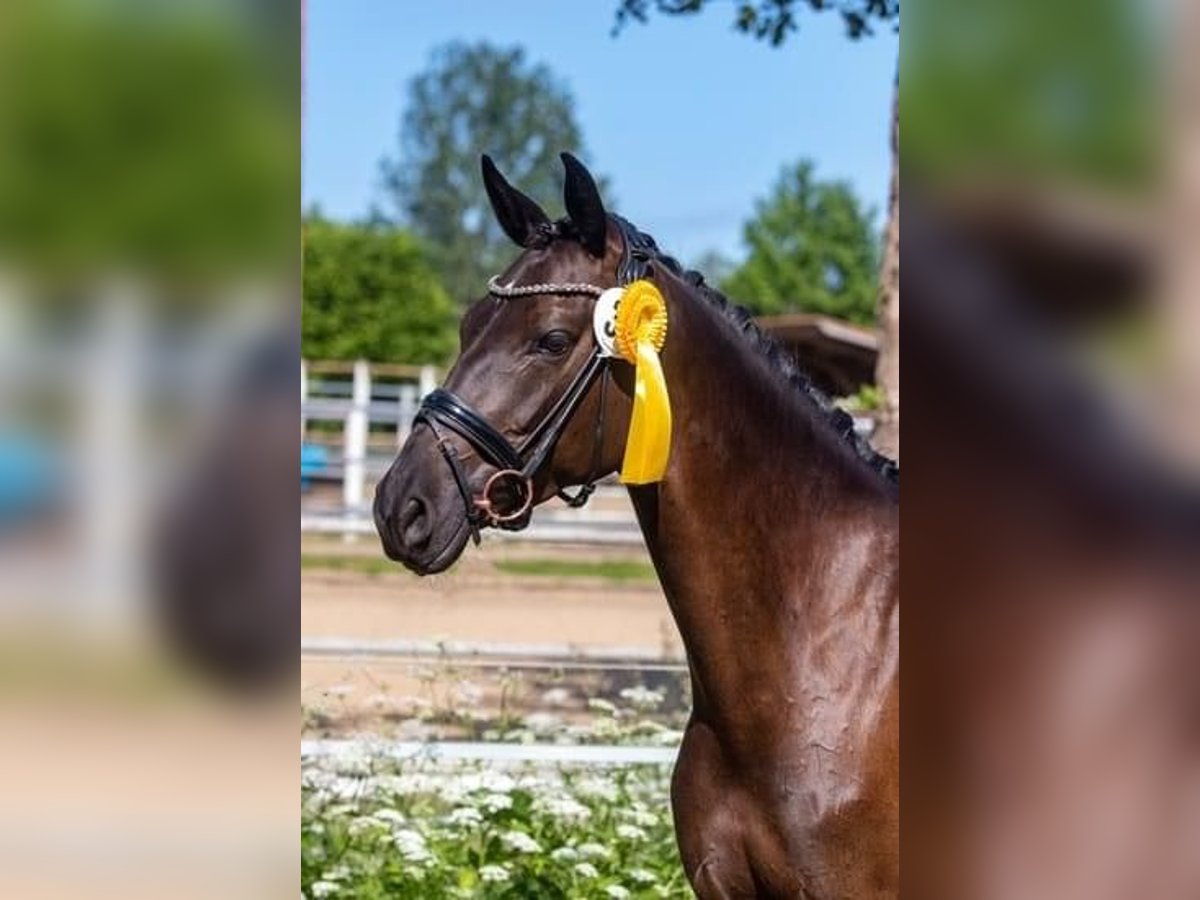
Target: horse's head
{"type": "Point", "coordinates": [530, 407]}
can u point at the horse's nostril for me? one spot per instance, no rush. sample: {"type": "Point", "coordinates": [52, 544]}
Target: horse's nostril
{"type": "Point", "coordinates": [414, 523]}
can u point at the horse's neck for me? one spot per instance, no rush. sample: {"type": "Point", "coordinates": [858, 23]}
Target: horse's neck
{"type": "Point", "coordinates": [766, 537]}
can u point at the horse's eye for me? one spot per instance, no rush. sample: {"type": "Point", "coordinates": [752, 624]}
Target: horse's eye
{"type": "Point", "coordinates": [555, 343]}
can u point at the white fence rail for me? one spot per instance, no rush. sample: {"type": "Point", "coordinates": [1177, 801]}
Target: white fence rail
{"type": "Point", "coordinates": [374, 405]}
{"type": "Point", "coordinates": [379, 394]}
{"type": "Point", "coordinates": [465, 751]}
{"type": "Point", "coordinates": [490, 654]}
{"type": "Point", "coordinates": [546, 529]}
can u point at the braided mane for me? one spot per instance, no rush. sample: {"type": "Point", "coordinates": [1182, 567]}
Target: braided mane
{"type": "Point", "coordinates": [766, 345]}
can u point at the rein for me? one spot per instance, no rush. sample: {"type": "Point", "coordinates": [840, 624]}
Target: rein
{"type": "Point", "coordinates": [507, 495]}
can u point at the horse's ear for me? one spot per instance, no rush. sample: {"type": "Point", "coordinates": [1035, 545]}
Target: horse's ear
{"type": "Point", "coordinates": [518, 215]}
{"type": "Point", "coordinates": [584, 205]}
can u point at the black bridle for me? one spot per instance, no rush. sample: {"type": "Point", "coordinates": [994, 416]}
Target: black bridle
{"type": "Point", "coordinates": [507, 495]}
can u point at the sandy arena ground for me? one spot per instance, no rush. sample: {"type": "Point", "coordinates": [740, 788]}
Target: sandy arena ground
{"type": "Point", "coordinates": [472, 602]}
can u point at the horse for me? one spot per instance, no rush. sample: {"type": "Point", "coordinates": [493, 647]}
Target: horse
{"type": "Point", "coordinates": [774, 531]}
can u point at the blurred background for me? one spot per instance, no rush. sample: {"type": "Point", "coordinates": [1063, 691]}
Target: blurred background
{"type": "Point", "coordinates": [149, 306]}
{"type": "Point", "coordinates": [1052, 518]}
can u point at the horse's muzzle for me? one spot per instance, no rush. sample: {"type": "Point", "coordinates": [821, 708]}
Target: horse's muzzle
{"type": "Point", "coordinates": [419, 518]}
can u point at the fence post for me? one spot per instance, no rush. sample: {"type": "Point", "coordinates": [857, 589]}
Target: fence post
{"type": "Point", "coordinates": [406, 408]}
{"type": "Point", "coordinates": [357, 423]}
{"type": "Point", "coordinates": [112, 495]}
{"type": "Point", "coordinates": [427, 381]}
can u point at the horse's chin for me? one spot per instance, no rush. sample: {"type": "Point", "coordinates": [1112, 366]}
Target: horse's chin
{"type": "Point", "coordinates": [440, 559]}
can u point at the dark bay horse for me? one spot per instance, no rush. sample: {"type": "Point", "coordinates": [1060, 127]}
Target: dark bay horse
{"type": "Point", "coordinates": [774, 532]}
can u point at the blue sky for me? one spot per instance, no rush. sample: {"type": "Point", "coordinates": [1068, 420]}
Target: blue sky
{"type": "Point", "coordinates": [690, 120]}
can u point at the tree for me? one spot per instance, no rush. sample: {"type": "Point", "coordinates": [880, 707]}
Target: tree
{"type": "Point", "coordinates": [1023, 103]}
{"type": "Point", "coordinates": [811, 248]}
{"type": "Point", "coordinates": [369, 292]}
{"type": "Point", "coordinates": [715, 266]}
{"type": "Point", "coordinates": [161, 144]}
{"type": "Point", "coordinates": [475, 99]}
{"type": "Point", "coordinates": [774, 20]}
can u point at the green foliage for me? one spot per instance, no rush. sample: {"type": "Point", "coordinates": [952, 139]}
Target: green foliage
{"type": "Point", "coordinates": [868, 398]}
{"type": "Point", "coordinates": [366, 565]}
{"type": "Point", "coordinates": [378, 830]}
{"type": "Point", "coordinates": [608, 569]}
{"type": "Point", "coordinates": [163, 144]}
{"type": "Point", "coordinates": [714, 265]}
{"type": "Point", "coordinates": [774, 20]}
{"type": "Point", "coordinates": [811, 248]}
{"type": "Point", "coordinates": [1033, 90]}
{"type": "Point", "coordinates": [369, 293]}
{"type": "Point", "coordinates": [371, 826]}
{"type": "Point", "coordinates": [475, 99]}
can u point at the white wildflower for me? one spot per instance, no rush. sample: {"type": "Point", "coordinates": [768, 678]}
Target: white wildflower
{"type": "Point", "coordinates": [411, 846]}
{"type": "Point", "coordinates": [594, 850]}
{"type": "Point", "coordinates": [363, 826]}
{"type": "Point", "coordinates": [536, 783]}
{"type": "Point", "coordinates": [563, 808]}
{"type": "Point", "coordinates": [599, 704]}
{"type": "Point", "coordinates": [388, 816]}
{"type": "Point", "coordinates": [542, 723]}
{"type": "Point", "coordinates": [598, 787]}
{"type": "Point", "coordinates": [344, 788]}
{"type": "Point", "coordinates": [465, 817]}
{"type": "Point", "coordinates": [668, 737]}
{"type": "Point", "coordinates": [520, 842]}
{"type": "Point", "coordinates": [642, 697]}
{"type": "Point", "coordinates": [495, 782]}
{"type": "Point", "coordinates": [496, 802]}
{"type": "Point", "coordinates": [617, 892]}
{"type": "Point", "coordinates": [586, 870]}
{"type": "Point", "coordinates": [493, 873]}
{"type": "Point", "coordinates": [409, 784]}
{"type": "Point", "coordinates": [322, 888]}
{"type": "Point", "coordinates": [630, 833]}
{"type": "Point", "coordinates": [564, 854]}
{"type": "Point", "coordinates": [642, 876]}
{"type": "Point", "coordinates": [638, 814]}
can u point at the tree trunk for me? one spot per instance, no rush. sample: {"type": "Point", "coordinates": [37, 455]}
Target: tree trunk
{"type": "Point", "coordinates": [887, 367]}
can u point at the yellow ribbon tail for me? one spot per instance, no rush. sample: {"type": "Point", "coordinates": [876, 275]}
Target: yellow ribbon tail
{"type": "Point", "coordinates": [639, 331]}
{"type": "Point", "coordinates": [649, 443]}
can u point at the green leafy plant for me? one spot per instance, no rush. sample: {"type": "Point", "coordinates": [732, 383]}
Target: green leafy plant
{"type": "Point", "coordinates": [375, 827]}
{"type": "Point", "coordinates": [868, 398]}
{"type": "Point", "coordinates": [811, 248]}
{"type": "Point", "coordinates": [369, 292]}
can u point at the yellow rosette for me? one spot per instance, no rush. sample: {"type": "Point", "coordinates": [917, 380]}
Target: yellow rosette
{"type": "Point", "coordinates": [641, 329]}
